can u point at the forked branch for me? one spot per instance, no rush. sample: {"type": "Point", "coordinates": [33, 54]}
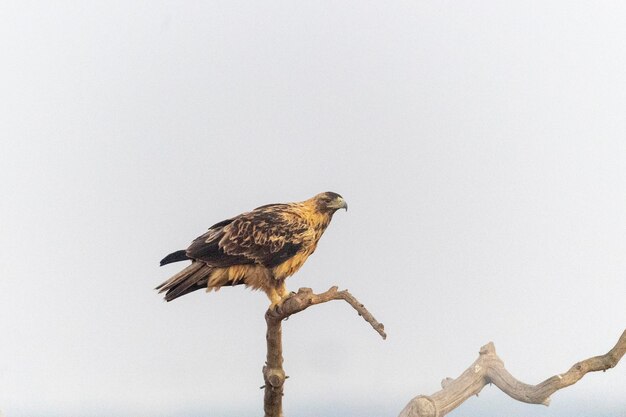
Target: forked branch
{"type": "Point", "coordinates": [489, 368]}
{"type": "Point", "coordinates": [305, 298]}
{"type": "Point", "coordinates": [273, 372]}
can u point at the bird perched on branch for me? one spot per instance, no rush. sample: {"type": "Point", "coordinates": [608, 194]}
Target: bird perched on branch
{"type": "Point", "coordinates": [258, 249]}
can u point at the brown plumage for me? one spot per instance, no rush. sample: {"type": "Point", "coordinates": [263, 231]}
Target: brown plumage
{"type": "Point", "coordinates": [259, 249]}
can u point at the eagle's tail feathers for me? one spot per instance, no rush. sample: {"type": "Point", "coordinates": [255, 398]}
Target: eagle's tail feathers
{"type": "Point", "coordinates": [179, 255]}
{"type": "Point", "coordinates": [180, 277]}
{"type": "Point", "coordinates": [189, 279]}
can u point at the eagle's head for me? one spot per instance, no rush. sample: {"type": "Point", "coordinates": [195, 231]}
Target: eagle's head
{"type": "Point", "coordinates": [329, 202]}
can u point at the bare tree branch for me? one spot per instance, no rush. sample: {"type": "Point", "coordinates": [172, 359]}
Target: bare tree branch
{"type": "Point", "coordinates": [489, 368]}
{"type": "Point", "coordinates": [273, 372]}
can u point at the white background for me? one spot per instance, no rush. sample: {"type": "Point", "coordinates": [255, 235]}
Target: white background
{"type": "Point", "coordinates": [480, 145]}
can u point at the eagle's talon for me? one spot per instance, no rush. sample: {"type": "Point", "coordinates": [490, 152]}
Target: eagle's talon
{"type": "Point", "coordinates": [277, 302]}
{"type": "Point", "coordinates": [275, 306]}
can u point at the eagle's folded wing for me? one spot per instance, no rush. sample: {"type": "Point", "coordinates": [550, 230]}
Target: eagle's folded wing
{"type": "Point", "coordinates": [268, 236]}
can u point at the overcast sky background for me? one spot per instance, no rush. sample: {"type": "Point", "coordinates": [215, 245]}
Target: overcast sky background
{"type": "Point", "coordinates": [480, 145]}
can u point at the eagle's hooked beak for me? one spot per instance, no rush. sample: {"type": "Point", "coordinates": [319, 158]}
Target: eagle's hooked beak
{"type": "Point", "coordinates": [340, 203]}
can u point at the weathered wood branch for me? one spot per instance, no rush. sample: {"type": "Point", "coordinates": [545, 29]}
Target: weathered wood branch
{"type": "Point", "coordinates": [273, 372]}
{"type": "Point", "coordinates": [489, 368]}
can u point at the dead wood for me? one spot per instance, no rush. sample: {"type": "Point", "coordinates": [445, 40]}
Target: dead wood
{"type": "Point", "coordinates": [273, 372]}
{"type": "Point", "coordinates": [489, 368]}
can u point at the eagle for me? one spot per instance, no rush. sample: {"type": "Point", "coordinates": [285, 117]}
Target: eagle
{"type": "Point", "coordinates": [259, 249]}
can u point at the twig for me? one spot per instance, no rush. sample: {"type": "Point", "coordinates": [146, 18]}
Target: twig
{"type": "Point", "coordinates": [489, 368]}
{"type": "Point", "coordinates": [305, 298]}
{"type": "Point", "coordinates": [273, 372]}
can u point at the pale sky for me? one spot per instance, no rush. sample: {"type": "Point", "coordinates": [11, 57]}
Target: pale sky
{"type": "Point", "coordinates": [481, 147]}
